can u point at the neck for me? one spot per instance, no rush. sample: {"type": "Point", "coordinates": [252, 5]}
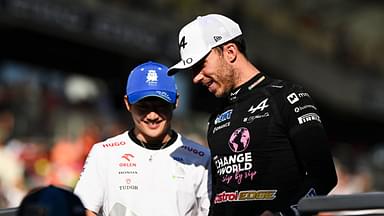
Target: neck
{"type": "Point", "coordinates": [245, 71]}
{"type": "Point", "coordinates": [156, 144]}
{"type": "Point", "coordinates": [156, 141]}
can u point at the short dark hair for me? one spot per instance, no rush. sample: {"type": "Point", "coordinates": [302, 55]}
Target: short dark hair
{"type": "Point", "coordinates": [239, 41]}
{"type": "Point", "coordinates": [51, 201]}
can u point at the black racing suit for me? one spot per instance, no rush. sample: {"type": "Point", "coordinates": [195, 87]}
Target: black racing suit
{"type": "Point", "coordinates": [269, 149]}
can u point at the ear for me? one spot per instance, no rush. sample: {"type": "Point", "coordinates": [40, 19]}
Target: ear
{"type": "Point", "coordinates": [127, 105]}
{"type": "Point", "coordinates": [230, 52]}
{"type": "Point", "coordinates": [177, 101]}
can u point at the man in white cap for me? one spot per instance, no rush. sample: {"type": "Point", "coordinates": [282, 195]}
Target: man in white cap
{"type": "Point", "coordinates": [267, 141]}
{"type": "Point", "coordinates": [150, 169]}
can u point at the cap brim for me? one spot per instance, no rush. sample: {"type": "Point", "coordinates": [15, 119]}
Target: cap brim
{"type": "Point", "coordinates": [180, 66]}
{"type": "Point", "coordinates": [177, 67]}
{"type": "Point", "coordinates": [137, 96]}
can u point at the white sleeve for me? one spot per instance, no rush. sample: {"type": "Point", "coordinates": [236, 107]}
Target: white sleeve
{"type": "Point", "coordinates": [90, 185]}
{"type": "Point", "coordinates": [204, 191]}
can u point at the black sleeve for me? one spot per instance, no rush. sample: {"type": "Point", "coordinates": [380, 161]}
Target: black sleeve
{"type": "Point", "coordinates": [309, 141]}
{"type": "Point", "coordinates": [312, 149]}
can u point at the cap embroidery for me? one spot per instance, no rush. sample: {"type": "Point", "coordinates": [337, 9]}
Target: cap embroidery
{"type": "Point", "coordinates": [151, 77]}
{"type": "Point", "coordinates": [217, 38]}
{"type": "Point", "coordinates": [182, 43]}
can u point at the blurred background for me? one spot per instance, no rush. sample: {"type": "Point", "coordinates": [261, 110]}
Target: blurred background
{"type": "Point", "coordinates": [64, 66]}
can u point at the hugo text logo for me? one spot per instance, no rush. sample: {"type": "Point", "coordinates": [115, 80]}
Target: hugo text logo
{"type": "Point", "coordinates": [114, 144]}
{"type": "Point", "coordinates": [193, 150]}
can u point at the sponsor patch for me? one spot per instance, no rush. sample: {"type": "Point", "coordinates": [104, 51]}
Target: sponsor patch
{"type": "Point", "coordinates": [127, 160]}
{"type": "Point", "coordinates": [128, 172]}
{"type": "Point", "coordinates": [308, 117]}
{"type": "Point", "coordinates": [235, 93]}
{"type": "Point", "coordinates": [233, 163]}
{"type": "Point", "coordinates": [250, 119]}
{"type": "Point", "coordinates": [193, 150]}
{"type": "Point", "coordinates": [292, 98]}
{"type": "Point", "coordinates": [239, 139]}
{"type": "Point", "coordinates": [299, 108]}
{"type": "Point", "coordinates": [260, 107]}
{"type": "Point", "coordinates": [215, 129]}
{"type": "Point", "coordinates": [128, 187]}
{"type": "Point", "coordinates": [249, 195]}
{"type": "Point", "coordinates": [303, 94]}
{"type": "Point", "coordinates": [223, 117]}
{"type": "Point", "coordinates": [114, 144]}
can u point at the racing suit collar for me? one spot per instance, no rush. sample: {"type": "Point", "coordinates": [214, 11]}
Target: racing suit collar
{"type": "Point", "coordinates": [257, 80]}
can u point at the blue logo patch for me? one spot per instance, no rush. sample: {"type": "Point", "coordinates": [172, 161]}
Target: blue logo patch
{"type": "Point", "coordinates": [223, 117]}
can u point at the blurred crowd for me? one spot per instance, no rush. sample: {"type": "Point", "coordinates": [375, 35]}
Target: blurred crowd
{"type": "Point", "coordinates": [49, 120]}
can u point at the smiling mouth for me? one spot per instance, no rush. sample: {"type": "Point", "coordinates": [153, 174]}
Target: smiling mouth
{"type": "Point", "coordinates": [208, 84]}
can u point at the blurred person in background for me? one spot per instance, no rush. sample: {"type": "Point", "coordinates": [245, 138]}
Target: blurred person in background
{"type": "Point", "coordinates": [67, 155]}
{"type": "Point", "coordinates": [267, 141]}
{"type": "Point", "coordinates": [12, 187]}
{"type": "Point", "coordinates": [149, 169]}
{"type": "Point", "coordinates": [66, 162]}
{"type": "Point", "coordinates": [51, 201]}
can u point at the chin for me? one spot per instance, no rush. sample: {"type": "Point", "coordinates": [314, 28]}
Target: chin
{"type": "Point", "coordinates": [155, 134]}
{"type": "Point", "coordinates": [219, 94]}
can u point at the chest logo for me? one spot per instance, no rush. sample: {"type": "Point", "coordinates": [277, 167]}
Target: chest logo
{"type": "Point", "coordinates": [292, 98]}
{"type": "Point", "coordinates": [127, 156]}
{"type": "Point", "coordinates": [239, 139]}
{"type": "Point", "coordinates": [260, 107]}
{"type": "Point", "coordinates": [223, 116]}
{"type": "Point", "coordinates": [235, 93]}
{"type": "Point", "coordinates": [127, 160]}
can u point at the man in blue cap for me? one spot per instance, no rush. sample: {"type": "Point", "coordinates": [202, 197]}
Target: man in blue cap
{"type": "Point", "coordinates": [149, 169]}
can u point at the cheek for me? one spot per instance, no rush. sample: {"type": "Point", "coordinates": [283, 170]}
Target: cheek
{"type": "Point", "coordinates": [136, 119]}
{"type": "Point", "coordinates": [209, 71]}
{"type": "Point", "coordinates": [137, 115]}
{"type": "Point", "coordinates": [166, 114]}
{"type": "Point", "coordinates": [226, 73]}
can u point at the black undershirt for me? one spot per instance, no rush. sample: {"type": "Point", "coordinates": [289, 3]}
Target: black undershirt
{"type": "Point", "coordinates": [153, 146]}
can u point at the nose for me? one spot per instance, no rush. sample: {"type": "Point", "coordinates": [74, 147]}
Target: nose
{"type": "Point", "coordinates": [152, 116]}
{"type": "Point", "coordinates": [197, 78]}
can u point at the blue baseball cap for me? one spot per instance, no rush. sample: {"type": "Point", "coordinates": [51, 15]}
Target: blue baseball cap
{"type": "Point", "coordinates": [151, 79]}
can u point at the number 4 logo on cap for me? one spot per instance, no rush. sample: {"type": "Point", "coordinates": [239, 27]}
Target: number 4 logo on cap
{"type": "Point", "coordinates": [182, 43]}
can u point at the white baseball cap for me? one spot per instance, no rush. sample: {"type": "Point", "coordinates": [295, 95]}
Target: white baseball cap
{"type": "Point", "coordinates": [198, 37]}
